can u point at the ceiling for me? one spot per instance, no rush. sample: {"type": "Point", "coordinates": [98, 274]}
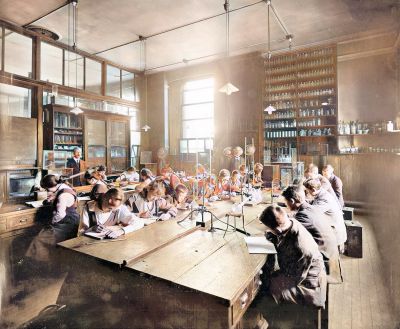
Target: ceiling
{"type": "Point", "coordinates": [105, 24]}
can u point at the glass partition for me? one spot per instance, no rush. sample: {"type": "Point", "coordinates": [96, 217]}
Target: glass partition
{"type": "Point", "coordinates": [73, 64]}
{"type": "Point", "coordinates": [128, 86]}
{"type": "Point", "coordinates": [92, 76]}
{"type": "Point", "coordinates": [17, 54]}
{"type": "Point", "coordinates": [113, 81]}
{"type": "Point", "coordinates": [51, 63]}
{"type": "Point", "coordinates": [15, 101]}
{"type": "Point", "coordinates": [96, 140]}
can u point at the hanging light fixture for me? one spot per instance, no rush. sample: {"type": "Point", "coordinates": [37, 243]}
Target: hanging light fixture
{"type": "Point", "coordinates": [76, 110]}
{"type": "Point", "coordinates": [228, 88]}
{"type": "Point", "coordinates": [146, 127]}
{"type": "Point", "coordinates": [269, 109]}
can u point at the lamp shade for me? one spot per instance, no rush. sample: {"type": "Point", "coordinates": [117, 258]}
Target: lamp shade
{"type": "Point", "coordinates": [146, 127]}
{"type": "Point", "coordinates": [270, 109]}
{"type": "Point", "coordinates": [228, 89]}
{"type": "Point", "coordinates": [76, 110]}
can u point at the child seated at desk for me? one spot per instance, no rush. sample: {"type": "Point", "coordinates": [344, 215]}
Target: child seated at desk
{"type": "Point", "coordinates": [235, 181]}
{"type": "Point", "coordinates": [222, 189]}
{"type": "Point", "coordinates": [149, 202]}
{"type": "Point", "coordinates": [180, 196]}
{"type": "Point", "coordinates": [107, 213]}
{"type": "Point", "coordinates": [130, 175]}
{"type": "Point", "coordinates": [146, 177]}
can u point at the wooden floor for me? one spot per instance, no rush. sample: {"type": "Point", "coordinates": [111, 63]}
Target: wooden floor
{"type": "Point", "coordinates": [362, 301]}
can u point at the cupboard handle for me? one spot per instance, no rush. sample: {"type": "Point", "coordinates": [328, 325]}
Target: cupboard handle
{"type": "Point", "coordinates": [24, 220]}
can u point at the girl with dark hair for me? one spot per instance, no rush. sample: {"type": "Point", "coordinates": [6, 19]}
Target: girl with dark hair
{"type": "Point", "coordinates": [64, 218]}
{"type": "Point", "coordinates": [146, 177]}
{"type": "Point", "coordinates": [109, 216]}
{"type": "Point", "coordinates": [149, 202]}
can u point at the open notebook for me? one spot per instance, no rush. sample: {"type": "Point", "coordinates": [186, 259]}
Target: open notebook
{"type": "Point", "coordinates": [259, 245]}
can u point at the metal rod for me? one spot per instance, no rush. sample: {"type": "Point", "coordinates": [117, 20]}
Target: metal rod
{"type": "Point", "coordinates": [176, 28]}
{"type": "Point", "coordinates": [47, 14]}
{"type": "Point", "coordinates": [283, 27]}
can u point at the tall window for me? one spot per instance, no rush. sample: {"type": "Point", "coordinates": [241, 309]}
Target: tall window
{"type": "Point", "coordinates": [197, 116]}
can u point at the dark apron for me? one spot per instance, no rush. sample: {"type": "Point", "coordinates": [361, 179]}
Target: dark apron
{"type": "Point", "coordinates": [43, 245]}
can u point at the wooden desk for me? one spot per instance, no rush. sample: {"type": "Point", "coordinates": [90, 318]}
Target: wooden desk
{"type": "Point", "coordinates": [198, 276]}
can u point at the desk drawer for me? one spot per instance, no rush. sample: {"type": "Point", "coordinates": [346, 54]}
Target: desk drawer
{"type": "Point", "coordinates": [21, 221]}
{"type": "Point", "coordinates": [242, 302]}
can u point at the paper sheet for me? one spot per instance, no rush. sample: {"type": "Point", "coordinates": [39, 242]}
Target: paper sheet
{"type": "Point", "coordinates": [259, 245]}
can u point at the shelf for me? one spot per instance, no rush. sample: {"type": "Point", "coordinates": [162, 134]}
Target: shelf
{"type": "Point", "coordinates": [71, 134]}
{"type": "Point", "coordinates": [282, 90]}
{"type": "Point", "coordinates": [325, 136]}
{"type": "Point", "coordinates": [316, 106]}
{"type": "Point", "coordinates": [280, 82]}
{"type": "Point", "coordinates": [316, 96]}
{"type": "Point", "coordinates": [371, 134]}
{"type": "Point", "coordinates": [316, 77]}
{"type": "Point", "coordinates": [280, 119]}
{"type": "Point", "coordinates": [314, 74]}
{"type": "Point", "coordinates": [317, 116]}
{"type": "Point", "coordinates": [68, 143]}
{"type": "Point", "coordinates": [315, 127]}
{"type": "Point", "coordinates": [316, 67]}
{"type": "Point", "coordinates": [328, 85]}
{"type": "Point", "coordinates": [67, 128]}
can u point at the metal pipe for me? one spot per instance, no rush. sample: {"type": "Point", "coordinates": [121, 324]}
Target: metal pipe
{"type": "Point", "coordinates": [177, 28]}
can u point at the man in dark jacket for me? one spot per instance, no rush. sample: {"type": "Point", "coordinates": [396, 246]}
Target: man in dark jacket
{"type": "Point", "coordinates": [336, 182]}
{"type": "Point", "coordinates": [301, 278]}
{"type": "Point", "coordinates": [317, 223]}
{"type": "Point", "coordinates": [329, 205]}
{"type": "Point", "coordinates": [76, 164]}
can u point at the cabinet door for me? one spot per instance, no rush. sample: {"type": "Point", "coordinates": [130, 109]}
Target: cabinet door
{"type": "Point", "coordinates": [97, 142]}
{"type": "Point", "coordinates": [119, 145]}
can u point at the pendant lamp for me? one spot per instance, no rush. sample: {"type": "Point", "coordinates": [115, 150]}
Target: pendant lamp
{"type": "Point", "coordinates": [75, 110]}
{"type": "Point", "coordinates": [146, 127]}
{"type": "Point", "coordinates": [269, 109]}
{"type": "Point", "coordinates": [228, 88]}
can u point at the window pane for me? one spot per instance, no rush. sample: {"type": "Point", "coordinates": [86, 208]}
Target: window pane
{"type": "Point", "coordinates": [15, 101]}
{"type": "Point", "coordinates": [51, 63]}
{"type": "Point", "coordinates": [199, 111]}
{"type": "Point", "coordinates": [135, 137]}
{"type": "Point", "coordinates": [134, 121]}
{"type": "Point", "coordinates": [209, 144]}
{"type": "Point", "coordinates": [198, 128]}
{"type": "Point", "coordinates": [73, 64]}
{"type": "Point", "coordinates": [183, 145]}
{"type": "Point", "coordinates": [196, 146]}
{"type": "Point", "coordinates": [93, 76]}
{"type": "Point", "coordinates": [113, 82]}
{"type": "Point", "coordinates": [18, 54]}
{"type": "Point", "coordinates": [128, 86]}
{"type": "Point", "coordinates": [197, 84]}
{"type": "Point", "coordinates": [198, 96]}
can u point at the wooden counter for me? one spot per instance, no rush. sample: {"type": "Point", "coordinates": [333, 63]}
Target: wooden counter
{"type": "Point", "coordinates": [170, 260]}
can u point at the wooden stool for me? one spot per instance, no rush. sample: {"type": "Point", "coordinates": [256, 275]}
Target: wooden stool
{"type": "Point", "coordinates": [234, 215]}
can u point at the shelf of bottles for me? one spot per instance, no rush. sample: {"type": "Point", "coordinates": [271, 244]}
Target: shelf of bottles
{"type": "Point", "coordinates": [302, 86]}
{"type": "Point", "coordinates": [279, 151]}
{"type": "Point", "coordinates": [349, 130]}
{"type": "Point", "coordinates": [68, 134]}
